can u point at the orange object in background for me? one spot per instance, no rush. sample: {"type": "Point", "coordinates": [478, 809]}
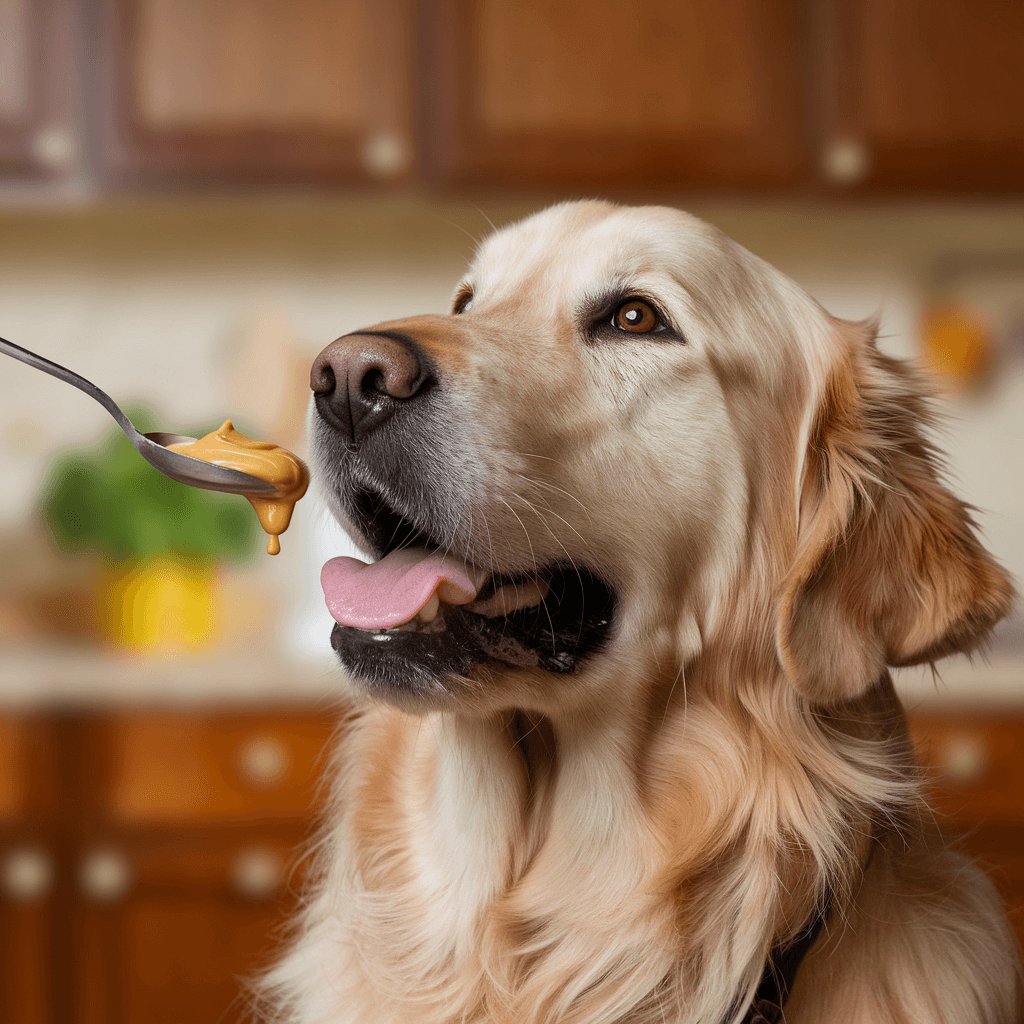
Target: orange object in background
{"type": "Point", "coordinates": [957, 343]}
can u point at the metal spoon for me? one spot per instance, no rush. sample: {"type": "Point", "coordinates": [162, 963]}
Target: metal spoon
{"type": "Point", "coordinates": [152, 446]}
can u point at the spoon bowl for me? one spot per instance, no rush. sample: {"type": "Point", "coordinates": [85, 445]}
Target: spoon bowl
{"type": "Point", "coordinates": [152, 446]}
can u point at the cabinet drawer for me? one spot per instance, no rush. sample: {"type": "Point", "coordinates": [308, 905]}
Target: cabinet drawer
{"type": "Point", "coordinates": [164, 768]}
{"type": "Point", "coordinates": [975, 765]}
{"type": "Point", "coordinates": [167, 924]}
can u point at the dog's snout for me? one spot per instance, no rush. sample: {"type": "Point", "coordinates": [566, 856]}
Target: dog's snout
{"type": "Point", "coordinates": [360, 380]}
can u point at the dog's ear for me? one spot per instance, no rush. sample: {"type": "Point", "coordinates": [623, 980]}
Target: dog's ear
{"type": "Point", "coordinates": [888, 569]}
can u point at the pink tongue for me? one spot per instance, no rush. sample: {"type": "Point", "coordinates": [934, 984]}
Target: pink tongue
{"type": "Point", "coordinates": [390, 592]}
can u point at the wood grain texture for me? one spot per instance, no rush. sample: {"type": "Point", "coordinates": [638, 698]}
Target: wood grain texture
{"type": "Point", "coordinates": [255, 90]}
{"type": "Point", "coordinates": [932, 90]}
{"type": "Point", "coordinates": [974, 766]}
{"type": "Point", "coordinates": [181, 940]}
{"type": "Point", "coordinates": [661, 92]}
{"type": "Point", "coordinates": [16, 52]}
{"type": "Point", "coordinates": [29, 811]}
{"type": "Point", "coordinates": [180, 768]}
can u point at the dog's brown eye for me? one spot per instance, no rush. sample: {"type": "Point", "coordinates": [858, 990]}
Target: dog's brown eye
{"type": "Point", "coordinates": [636, 316]}
{"type": "Point", "coordinates": [463, 303]}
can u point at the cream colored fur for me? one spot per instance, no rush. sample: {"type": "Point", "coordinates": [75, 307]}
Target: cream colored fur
{"type": "Point", "coordinates": [627, 844]}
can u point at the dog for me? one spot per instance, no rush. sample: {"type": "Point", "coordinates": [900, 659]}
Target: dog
{"type": "Point", "coordinates": [650, 526]}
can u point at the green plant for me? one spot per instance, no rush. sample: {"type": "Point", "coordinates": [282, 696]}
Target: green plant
{"type": "Point", "coordinates": [107, 498]}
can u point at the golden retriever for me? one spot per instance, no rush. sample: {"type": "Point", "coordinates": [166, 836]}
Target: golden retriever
{"type": "Point", "coordinates": [649, 526]}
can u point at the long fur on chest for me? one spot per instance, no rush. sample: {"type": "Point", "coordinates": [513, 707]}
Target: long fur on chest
{"type": "Point", "coordinates": [509, 869]}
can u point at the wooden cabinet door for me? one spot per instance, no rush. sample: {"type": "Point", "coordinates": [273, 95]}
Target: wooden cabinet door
{"type": "Point", "coordinates": [170, 927]}
{"type": "Point", "coordinates": [189, 829]}
{"type": "Point", "coordinates": [19, 56]}
{"type": "Point", "coordinates": [925, 95]}
{"type": "Point", "coordinates": [29, 951]}
{"type": "Point", "coordinates": [258, 90]}
{"type": "Point", "coordinates": [36, 87]}
{"type": "Point", "coordinates": [704, 93]}
{"type": "Point", "coordinates": [975, 775]}
{"type": "Point", "coordinates": [28, 930]}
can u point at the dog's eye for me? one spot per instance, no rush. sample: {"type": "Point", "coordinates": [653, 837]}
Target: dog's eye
{"type": "Point", "coordinates": [637, 317]}
{"type": "Point", "coordinates": [463, 302]}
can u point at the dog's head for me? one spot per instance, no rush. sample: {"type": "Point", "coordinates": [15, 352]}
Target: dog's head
{"type": "Point", "coordinates": [631, 441]}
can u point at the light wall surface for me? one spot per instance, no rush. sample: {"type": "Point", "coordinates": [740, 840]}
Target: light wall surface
{"type": "Point", "coordinates": [159, 302]}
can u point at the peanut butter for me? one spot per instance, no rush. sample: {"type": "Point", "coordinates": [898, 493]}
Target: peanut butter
{"type": "Point", "coordinates": [286, 472]}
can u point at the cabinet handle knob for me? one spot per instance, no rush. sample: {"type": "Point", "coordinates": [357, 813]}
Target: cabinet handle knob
{"type": "Point", "coordinates": [105, 876]}
{"type": "Point", "coordinates": [257, 873]}
{"type": "Point", "coordinates": [846, 161]}
{"type": "Point", "coordinates": [263, 761]}
{"type": "Point", "coordinates": [55, 147]}
{"type": "Point", "coordinates": [386, 155]}
{"type": "Point", "coordinates": [27, 874]}
{"type": "Point", "coordinates": [964, 759]}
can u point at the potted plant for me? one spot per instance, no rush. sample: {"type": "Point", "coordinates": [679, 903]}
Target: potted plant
{"type": "Point", "coordinates": [160, 541]}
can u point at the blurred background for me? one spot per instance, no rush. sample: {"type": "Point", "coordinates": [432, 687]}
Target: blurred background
{"type": "Point", "coordinates": [197, 195]}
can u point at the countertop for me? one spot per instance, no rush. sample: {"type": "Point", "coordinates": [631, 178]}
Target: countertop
{"type": "Point", "coordinates": [85, 677]}
{"type": "Point", "coordinates": [82, 677]}
{"type": "Point", "coordinates": [992, 682]}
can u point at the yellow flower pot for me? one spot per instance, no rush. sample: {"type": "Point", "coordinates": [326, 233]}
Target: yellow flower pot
{"type": "Point", "coordinates": [160, 605]}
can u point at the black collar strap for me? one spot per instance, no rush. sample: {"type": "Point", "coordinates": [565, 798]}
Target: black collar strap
{"type": "Point", "coordinates": [780, 974]}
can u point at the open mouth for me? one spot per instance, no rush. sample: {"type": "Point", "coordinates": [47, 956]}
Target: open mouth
{"type": "Point", "coordinates": [418, 613]}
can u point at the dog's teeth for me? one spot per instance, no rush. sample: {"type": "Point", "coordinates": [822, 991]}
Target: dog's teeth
{"type": "Point", "coordinates": [429, 611]}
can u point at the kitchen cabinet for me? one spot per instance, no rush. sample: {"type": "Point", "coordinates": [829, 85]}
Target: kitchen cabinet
{"type": "Point", "coordinates": [191, 826]}
{"type": "Point", "coordinates": [974, 765]}
{"type": "Point", "coordinates": [257, 90]}
{"type": "Point", "coordinates": [793, 97]}
{"type": "Point", "coordinates": [923, 96]}
{"type": "Point", "coordinates": [168, 928]}
{"type": "Point", "coordinates": [37, 67]}
{"type": "Point", "coordinates": [28, 871]}
{"type": "Point", "coordinates": [674, 93]}
{"type": "Point", "coordinates": [148, 860]}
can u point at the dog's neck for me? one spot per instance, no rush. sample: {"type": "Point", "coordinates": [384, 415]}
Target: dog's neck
{"type": "Point", "coordinates": [504, 852]}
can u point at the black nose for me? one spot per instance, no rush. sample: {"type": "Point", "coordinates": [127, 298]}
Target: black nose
{"type": "Point", "coordinates": [360, 380]}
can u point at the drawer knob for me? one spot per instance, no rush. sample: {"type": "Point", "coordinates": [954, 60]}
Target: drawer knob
{"type": "Point", "coordinates": [257, 873]}
{"type": "Point", "coordinates": [845, 161]}
{"type": "Point", "coordinates": [964, 759]}
{"type": "Point", "coordinates": [105, 876]}
{"type": "Point", "coordinates": [27, 874]}
{"type": "Point", "coordinates": [263, 761]}
{"type": "Point", "coordinates": [386, 155]}
{"type": "Point", "coordinates": [54, 147]}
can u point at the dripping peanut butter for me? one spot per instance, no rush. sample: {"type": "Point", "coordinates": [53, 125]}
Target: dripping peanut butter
{"type": "Point", "coordinates": [285, 472]}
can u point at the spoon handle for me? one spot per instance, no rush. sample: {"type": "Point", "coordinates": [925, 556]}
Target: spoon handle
{"type": "Point", "coordinates": [69, 377]}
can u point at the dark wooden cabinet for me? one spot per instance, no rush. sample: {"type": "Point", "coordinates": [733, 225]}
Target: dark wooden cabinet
{"type": "Point", "coordinates": [676, 93]}
{"type": "Point", "coordinates": [793, 97]}
{"type": "Point", "coordinates": [170, 927]}
{"type": "Point", "coordinates": [29, 876]}
{"type": "Point", "coordinates": [19, 58]}
{"type": "Point", "coordinates": [257, 90]}
{"type": "Point", "coordinates": [975, 768]}
{"type": "Point", "coordinates": [924, 95]}
{"type": "Point", "coordinates": [37, 72]}
{"type": "Point", "coordinates": [187, 861]}
{"type": "Point", "coordinates": [149, 861]}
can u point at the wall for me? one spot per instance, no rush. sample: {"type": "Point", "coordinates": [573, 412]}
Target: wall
{"type": "Point", "coordinates": [151, 301]}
